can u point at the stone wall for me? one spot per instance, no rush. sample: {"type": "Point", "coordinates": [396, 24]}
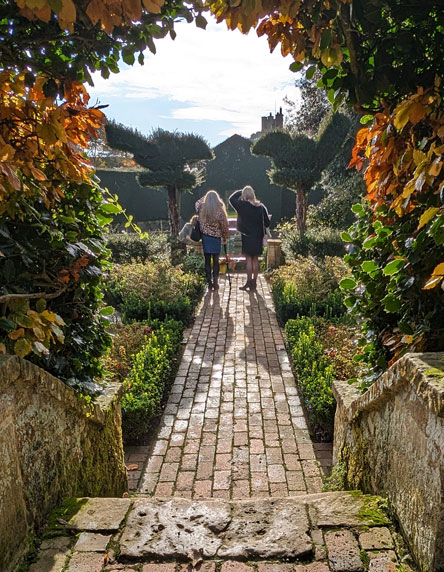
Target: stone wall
{"type": "Point", "coordinates": [51, 447]}
{"type": "Point", "coordinates": [390, 441]}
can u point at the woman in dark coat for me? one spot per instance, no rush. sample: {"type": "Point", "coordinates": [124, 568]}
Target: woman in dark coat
{"type": "Point", "coordinates": [252, 220]}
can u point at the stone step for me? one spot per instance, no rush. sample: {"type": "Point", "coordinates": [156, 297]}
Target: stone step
{"type": "Point", "coordinates": [338, 531]}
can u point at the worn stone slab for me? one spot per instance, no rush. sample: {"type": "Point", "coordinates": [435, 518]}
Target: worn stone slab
{"type": "Point", "coordinates": [268, 529]}
{"type": "Point", "coordinates": [377, 538]}
{"type": "Point", "coordinates": [383, 561]}
{"type": "Point", "coordinates": [101, 514]}
{"type": "Point", "coordinates": [86, 562]}
{"type": "Point", "coordinates": [344, 509]}
{"type": "Point", "coordinates": [90, 542]}
{"type": "Point", "coordinates": [174, 528]}
{"type": "Point", "coordinates": [343, 551]}
{"type": "Point", "coordinates": [52, 556]}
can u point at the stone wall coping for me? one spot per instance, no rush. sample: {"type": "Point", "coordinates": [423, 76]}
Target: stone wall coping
{"type": "Point", "coordinates": [423, 371]}
{"type": "Point", "coordinates": [13, 368]}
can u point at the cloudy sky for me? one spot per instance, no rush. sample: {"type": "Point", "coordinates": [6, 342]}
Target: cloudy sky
{"type": "Point", "coordinates": [213, 82]}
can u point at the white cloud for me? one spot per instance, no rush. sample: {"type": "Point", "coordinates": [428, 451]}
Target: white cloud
{"type": "Point", "coordinates": [217, 74]}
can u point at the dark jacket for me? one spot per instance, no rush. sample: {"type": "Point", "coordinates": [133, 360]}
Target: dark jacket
{"type": "Point", "coordinates": [251, 219]}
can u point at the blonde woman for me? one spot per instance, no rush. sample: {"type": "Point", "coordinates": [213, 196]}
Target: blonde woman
{"type": "Point", "coordinates": [214, 227]}
{"type": "Point", "coordinates": [252, 220]}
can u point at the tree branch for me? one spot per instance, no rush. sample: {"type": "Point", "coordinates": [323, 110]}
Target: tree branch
{"type": "Point", "coordinates": [8, 297]}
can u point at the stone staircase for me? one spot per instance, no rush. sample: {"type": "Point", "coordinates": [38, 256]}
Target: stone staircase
{"type": "Point", "coordinates": [336, 531]}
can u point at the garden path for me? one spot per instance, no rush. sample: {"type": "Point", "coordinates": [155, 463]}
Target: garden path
{"type": "Point", "coordinates": [232, 484]}
{"type": "Point", "coordinates": [233, 426]}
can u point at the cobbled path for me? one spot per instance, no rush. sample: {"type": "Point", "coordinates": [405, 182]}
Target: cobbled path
{"type": "Point", "coordinates": [233, 426]}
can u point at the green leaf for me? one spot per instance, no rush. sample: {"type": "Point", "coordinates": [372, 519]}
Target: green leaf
{"type": "Point", "coordinates": [347, 284]}
{"type": "Point", "coordinates": [110, 208]}
{"type": "Point", "coordinates": [107, 311]}
{"type": "Point", "coordinates": [391, 303]}
{"type": "Point", "coordinates": [128, 57]}
{"type": "Point", "coordinates": [40, 305]}
{"type": "Point", "coordinates": [369, 266]}
{"type": "Point", "coordinates": [369, 242]}
{"type": "Point", "coordinates": [358, 209]}
{"type": "Point", "coordinates": [296, 66]}
{"type": "Point", "coordinates": [366, 119]}
{"type": "Point", "coordinates": [394, 266]}
{"type": "Point", "coordinates": [22, 347]}
{"type": "Point", "coordinates": [201, 22]}
{"type": "Point", "coordinates": [350, 301]}
{"type": "Point", "coordinates": [6, 325]}
{"type": "Point", "coordinates": [346, 237]}
{"type": "Point", "coordinates": [310, 72]}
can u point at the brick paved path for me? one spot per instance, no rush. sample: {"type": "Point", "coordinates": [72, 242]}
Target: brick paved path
{"type": "Point", "coordinates": [233, 426]}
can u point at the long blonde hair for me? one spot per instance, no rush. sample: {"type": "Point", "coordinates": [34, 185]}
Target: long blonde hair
{"type": "Point", "coordinates": [248, 194]}
{"type": "Point", "coordinates": [212, 206]}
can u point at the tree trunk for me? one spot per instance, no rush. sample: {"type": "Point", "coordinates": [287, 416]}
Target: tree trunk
{"type": "Point", "coordinates": [173, 212]}
{"type": "Point", "coordinates": [301, 210]}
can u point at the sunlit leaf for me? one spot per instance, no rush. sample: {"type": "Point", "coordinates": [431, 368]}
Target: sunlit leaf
{"type": "Point", "coordinates": [427, 216]}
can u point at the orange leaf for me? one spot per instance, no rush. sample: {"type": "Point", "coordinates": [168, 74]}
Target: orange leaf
{"type": "Point", "coordinates": [16, 334]}
{"type": "Point", "coordinates": [416, 113]}
{"type": "Point", "coordinates": [132, 467]}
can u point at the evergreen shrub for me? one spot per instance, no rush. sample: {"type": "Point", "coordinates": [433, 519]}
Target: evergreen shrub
{"type": "Point", "coordinates": [126, 247]}
{"type": "Point", "coordinates": [320, 353]}
{"type": "Point", "coordinates": [309, 287]}
{"type": "Point", "coordinates": [144, 358]}
{"type": "Point", "coordinates": [153, 290]}
{"type": "Point", "coordinates": [318, 242]}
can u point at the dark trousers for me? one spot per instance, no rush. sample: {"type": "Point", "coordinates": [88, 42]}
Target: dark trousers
{"type": "Point", "coordinates": [208, 257]}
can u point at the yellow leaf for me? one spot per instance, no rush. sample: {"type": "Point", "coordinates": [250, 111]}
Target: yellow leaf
{"type": "Point", "coordinates": [332, 56]}
{"type": "Point", "coordinates": [48, 315]}
{"type": "Point", "coordinates": [439, 270]}
{"type": "Point", "coordinates": [41, 348]}
{"type": "Point", "coordinates": [38, 333]}
{"type": "Point", "coordinates": [419, 157]}
{"type": "Point", "coordinates": [402, 114]}
{"type": "Point", "coordinates": [22, 347]}
{"type": "Point", "coordinates": [435, 278]}
{"type": "Point", "coordinates": [2, 349]}
{"type": "Point", "coordinates": [427, 216]}
{"type": "Point", "coordinates": [436, 167]}
{"type": "Point", "coordinates": [431, 283]}
{"type": "Point", "coordinates": [37, 174]}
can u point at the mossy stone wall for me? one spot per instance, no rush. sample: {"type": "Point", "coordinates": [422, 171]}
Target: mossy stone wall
{"type": "Point", "coordinates": [51, 447]}
{"type": "Point", "coordinates": [390, 441]}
